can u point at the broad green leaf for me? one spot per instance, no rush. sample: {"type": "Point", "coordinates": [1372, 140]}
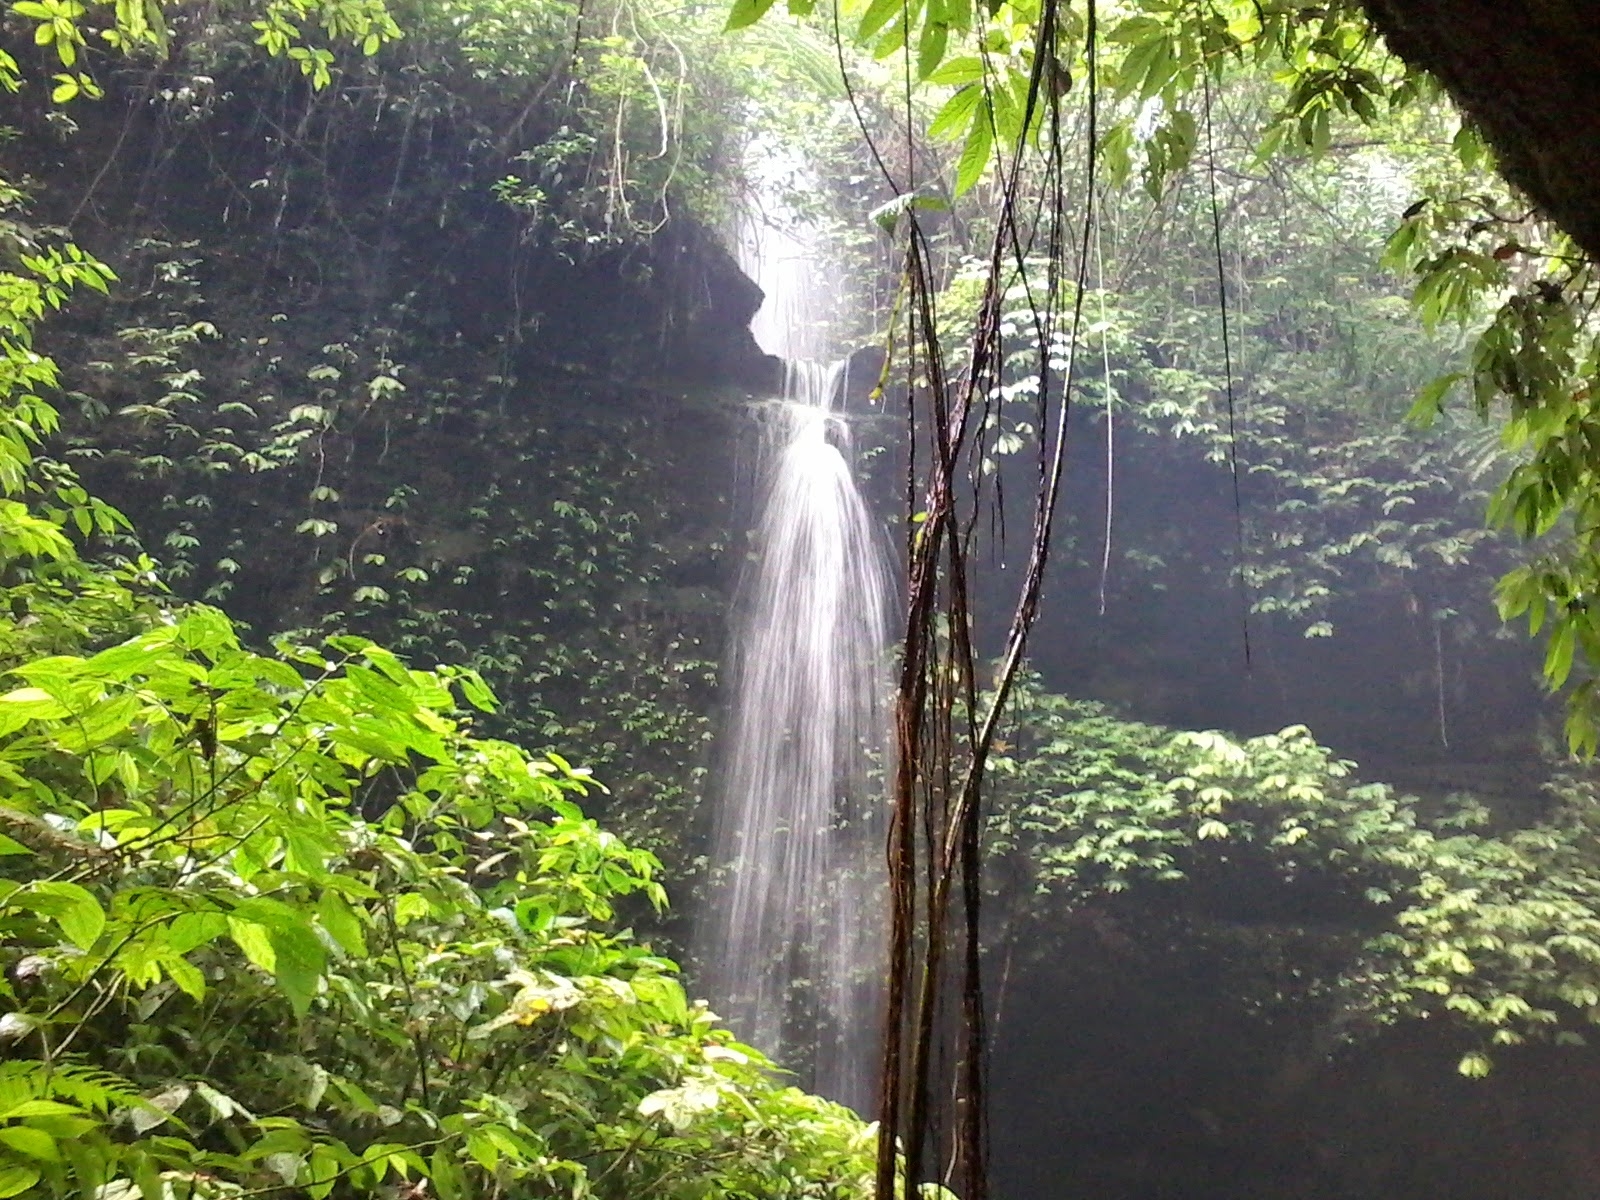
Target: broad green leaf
{"type": "Point", "coordinates": [408, 907]}
{"type": "Point", "coordinates": [207, 631]}
{"type": "Point", "coordinates": [33, 703]}
{"type": "Point", "coordinates": [975, 154]}
{"type": "Point", "coordinates": [15, 1180]}
{"type": "Point", "coordinates": [477, 692]}
{"type": "Point", "coordinates": [256, 942]}
{"type": "Point", "coordinates": [446, 1175]}
{"type": "Point", "coordinates": [300, 959]}
{"type": "Point", "coordinates": [185, 974]}
{"type": "Point", "coordinates": [341, 923]}
{"type": "Point", "coordinates": [956, 115]}
{"type": "Point", "coordinates": [878, 14]}
{"type": "Point", "coordinates": [191, 930]}
{"type": "Point", "coordinates": [954, 72]}
{"type": "Point", "coordinates": [746, 12]}
{"type": "Point", "coordinates": [1136, 30]}
{"type": "Point", "coordinates": [30, 1142]}
{"type": "Point", "coordinates": [71, 907]}
{"type": "Point", "coordinates": [322, 1171]}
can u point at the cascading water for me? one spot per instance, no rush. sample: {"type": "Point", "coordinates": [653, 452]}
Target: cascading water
{"type": "Point", "coordinates": [791, 945]}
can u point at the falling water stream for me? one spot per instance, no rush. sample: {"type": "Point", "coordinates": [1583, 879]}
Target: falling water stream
{"type": "Point", "coordinates": [791, 944]}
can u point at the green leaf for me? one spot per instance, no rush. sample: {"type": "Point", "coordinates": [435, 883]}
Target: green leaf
{"type": "Point", "coordinates": [31, 1143]}
{"type": "Point", "coordinates": [300, 961]}
{"type": "Point", "coordinates": [1430, 400]}
{"type": "Point", "coordinates": [956, 114]}
{"type": "Point", "coordinates": [409, 907]}
{"type": "Point", "coordinates": [956, 71]}
{"type": "Point", "coordinates": [34, 703]}
{"type": "Point", "coordinates": [191, 930]}
{"type": "Point", "coordinates": [341, 923]}
{"type": "Point", "coordinates": [446, 1175]}
{"type": "Point", "coordinates": [931, 46]}
{"type": "Point", "coordinates": [975, 154]}
{"type": "Point", "coordinates": [39, 1108]}
{"type": "Point", "coordinates": [477, 692]}
{"type": "Point", "coordinates": [206, 630]}
{"type": "Point", "coordinates": [186, 975]}
{"type": "Point", "coordinates": [71, 907]}
{"type": "Point", "coordinates": [887, 216]}
{"type": "Point", "coordinates": [15, 1180]}
{"type": "Point", "coordinates": [878, 14]}
{"type": "Point", "coordinates": [1558, 654]}
{"type": "Point", "coordinates": [323, 1171]}
{"type": "Point", "coordinates": [746, 12]}
{"type": "Point", "coordinates": [256, 942]}
{"type": "Point", "coordinates": [1475, 1065]}
{"type": "Point", "coordinates": [1136, 30]}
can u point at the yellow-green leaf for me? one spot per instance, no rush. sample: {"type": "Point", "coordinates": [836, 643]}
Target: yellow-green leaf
{"type": "Point", "coordinates": [31, 1143]}
{"type": "Point", "coordinates": [975, 154]}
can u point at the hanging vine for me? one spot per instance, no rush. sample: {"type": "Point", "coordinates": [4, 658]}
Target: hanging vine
{"type": "Point", "coordinates": [932, 1101]}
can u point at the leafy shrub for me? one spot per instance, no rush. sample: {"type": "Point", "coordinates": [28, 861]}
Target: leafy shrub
{"type": "Point", "coordinates": [1444, 913]}
{"type": "Point", "coordinates": [282, 922]}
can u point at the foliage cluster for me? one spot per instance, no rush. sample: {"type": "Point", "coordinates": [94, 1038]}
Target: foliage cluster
{"type": "Point", "coordinates": [377, 486]}
{"type": "Point", "coordinates": [609, 116]}
{"type": "Point", "coordinates": [1344, 507]}
{"type": "Point", "coordinates": [281, 921]}
{"type": "Point", "coordinates": [1436, 909]}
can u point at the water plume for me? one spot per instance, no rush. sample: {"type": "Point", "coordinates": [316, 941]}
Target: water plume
{"type": "Point", "coordinates": [792, 942]}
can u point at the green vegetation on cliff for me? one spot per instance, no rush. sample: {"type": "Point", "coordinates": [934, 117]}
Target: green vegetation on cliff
{"type": "Point", "coordinates": [283, 923]}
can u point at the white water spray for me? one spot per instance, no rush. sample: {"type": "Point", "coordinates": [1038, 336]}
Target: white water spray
{"type": "Point", "coordinates": [792, 944]}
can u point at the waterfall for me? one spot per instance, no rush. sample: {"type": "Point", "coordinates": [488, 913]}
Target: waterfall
{"type": "Point", "coordinates": [793, 937]}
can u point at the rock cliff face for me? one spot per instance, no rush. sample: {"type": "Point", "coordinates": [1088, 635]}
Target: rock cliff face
{"type": "Point", "coordinates": [1528, 72]}
{"type": "Point", "coordinates": [343, 383]}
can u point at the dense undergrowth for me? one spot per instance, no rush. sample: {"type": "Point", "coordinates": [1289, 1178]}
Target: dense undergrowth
{"type": "Point", "coordinates": [406, 353]}
{"type": "Point", "coordinates": [282, 921]}
{"type": "Point", "coordinates": [1365, 904]}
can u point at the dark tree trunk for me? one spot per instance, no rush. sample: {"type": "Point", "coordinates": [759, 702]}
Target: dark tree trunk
{"type": "Point", "coordinates": [1528, 72]}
